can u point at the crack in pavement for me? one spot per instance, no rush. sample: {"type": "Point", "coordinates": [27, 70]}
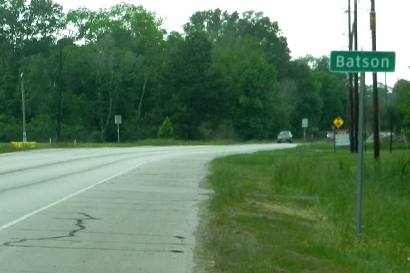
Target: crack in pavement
{"type": "Point", "coordinates": [145, 251]}
{"type": "Point", "coordinates": [80, 227]}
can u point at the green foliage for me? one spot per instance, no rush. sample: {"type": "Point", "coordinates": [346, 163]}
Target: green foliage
{"type": "Point", "coordinates": [252, 96]}
{"type": "Point", "coordinates": [401, 110]}
{"type": "Point", "coordinates": [143, 26]}
{"type": "Point", "coordinates": [194, 92]}
{"type": "Point", "coordinates": [10, 128]}
{"type": "Point", "coordinates": [225, 29]}
{"type": "Point", "coordinates": [40, 128]}
{"type": "Point", "coordinates": [166, 130]}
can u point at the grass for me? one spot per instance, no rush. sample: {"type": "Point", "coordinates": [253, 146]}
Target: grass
{"type": "Point", "coordinates": [293, 211]}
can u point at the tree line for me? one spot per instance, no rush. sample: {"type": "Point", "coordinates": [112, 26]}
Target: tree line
{"type": "Point", "coordinates": [226, 76]}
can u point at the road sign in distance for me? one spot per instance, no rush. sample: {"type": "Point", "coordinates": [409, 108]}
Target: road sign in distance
{"type": "Point", "coordinates": [117, 119]}
{"type": "Point", "coordinates": [305, 122]}
{"type": "Point", "coordinates": [362, 61]}
{"type": "Point", "coordinates": [342, 138]}
{"type": "Point", "coordinates": [338, 122]}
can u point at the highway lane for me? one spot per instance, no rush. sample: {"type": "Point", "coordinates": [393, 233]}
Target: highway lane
{"type": "Point", "coordinates": [104, 210]}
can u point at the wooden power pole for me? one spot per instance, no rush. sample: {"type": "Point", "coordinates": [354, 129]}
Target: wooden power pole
{"type": "Point", "coordinates": [350, 85]}
{"type": "Point", "coordinates": [356, 82]}
{"type": "Point", "coordinates": [376, 136]}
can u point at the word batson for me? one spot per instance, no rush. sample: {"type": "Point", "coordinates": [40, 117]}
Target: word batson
{"type": "Point", "coordinates": [359, 62]}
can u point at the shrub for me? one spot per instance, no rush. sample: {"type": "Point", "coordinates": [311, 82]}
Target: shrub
{"type": "Point", "coordinates": [166, 130]}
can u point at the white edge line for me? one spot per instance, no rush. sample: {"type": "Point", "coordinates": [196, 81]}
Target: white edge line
{"type": "Point", "coordinates": [37, 211]}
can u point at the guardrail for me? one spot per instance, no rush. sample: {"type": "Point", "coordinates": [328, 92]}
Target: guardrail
{"type": "Point", "coordinates": [24, 145]}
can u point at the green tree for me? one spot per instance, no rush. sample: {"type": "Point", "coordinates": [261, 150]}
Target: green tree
{"type": "Point", "coordinates": [224, 29]}
{"type": "Point", "coordinates": [27, 34]}
{"type": "Point", "coordinates": [189, 80]}
{"type": "Point", "coordinates": [250, 54]}
{"type": "Point", "coordinates": [127, 41]}
{"type": "Point", "coordinates": [253, 101]}
{"type": "Point", "coordinates": [401, 92]}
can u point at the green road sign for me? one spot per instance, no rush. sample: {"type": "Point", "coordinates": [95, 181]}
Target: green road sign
{"type": "Point", "coordinates": [362, 61]}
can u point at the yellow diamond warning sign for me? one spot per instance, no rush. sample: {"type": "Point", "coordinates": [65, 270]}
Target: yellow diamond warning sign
{"type": "Point", "coordinates": [338, 122]}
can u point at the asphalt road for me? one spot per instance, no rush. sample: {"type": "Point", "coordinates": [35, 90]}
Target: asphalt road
{"type": "Point", "coordinates": [104, 210]}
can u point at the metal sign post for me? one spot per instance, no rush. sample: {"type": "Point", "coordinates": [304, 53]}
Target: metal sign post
{"type": "Point", "coordinates": [305, 122]}
{"type": "Point", "coordinates": [360, 158]}
{"type": "Point", "coordinates": [337, 123]}
{"type": "Point", "coordinates": [118, 121]}
{"type": "Point", "coordinates": [361, 61]}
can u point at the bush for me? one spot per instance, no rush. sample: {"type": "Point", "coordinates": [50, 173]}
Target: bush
{"type": "Point", "coordinates": [10, 129]}
{"type": "Point", "coordinates": [40, 128]}
{"type": "Point", "coordinates": [166, 130]}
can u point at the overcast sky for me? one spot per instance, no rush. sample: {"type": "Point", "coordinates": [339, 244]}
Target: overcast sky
{"type": "Point", "coordinates": [313, 27]}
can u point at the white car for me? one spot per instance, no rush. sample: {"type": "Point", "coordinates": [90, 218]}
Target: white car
{"type": "Point", "coordinates": [284, 136]}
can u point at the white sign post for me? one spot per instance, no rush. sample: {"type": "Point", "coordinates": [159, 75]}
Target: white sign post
{"type": "Point", "coordinates": [118, 121]}
{"type": "Point", "coordinates": [305, 122]}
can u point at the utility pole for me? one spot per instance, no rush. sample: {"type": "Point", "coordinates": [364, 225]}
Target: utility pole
{"type": "Point", "coordinates": [356, 82]}
{"type": "Point", "coordinates": [376, 137]}
{"type": "Point", "coordinates": [350, 84]}
{"type": "Point", "coordinates": [23, 106]}
{"type": "Point", "coordinates": [59, 92]}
